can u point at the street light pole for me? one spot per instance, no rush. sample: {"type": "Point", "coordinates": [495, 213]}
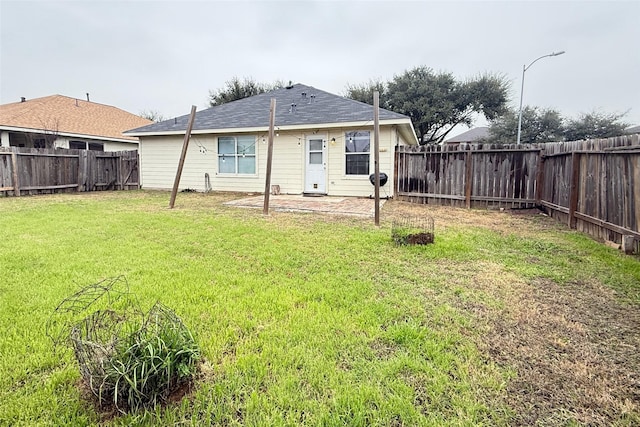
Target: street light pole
{"type": "Point", "coordinates": [525, 68]}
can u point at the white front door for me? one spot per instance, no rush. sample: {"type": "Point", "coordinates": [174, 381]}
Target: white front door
{"type": "Point", "coordinates": [315, 165]}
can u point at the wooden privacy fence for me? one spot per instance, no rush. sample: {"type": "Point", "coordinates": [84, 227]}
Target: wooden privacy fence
{"type": "Point", "coordinates": [467, 176]}
{"type": "Point", "coordinates": [593, 185]}
{"type": "Point", "coordinates": [36, 171]}
{"type": "Point", "coordinates": [595, 189]}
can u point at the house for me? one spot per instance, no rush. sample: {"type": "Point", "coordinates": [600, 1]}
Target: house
{"type": "Point", "coordinates": [58, 121]}
{"type": "Point", "coordinates": [477, 134]}
{"type": "Point", "coordinates": [632, 130]}
{"type": "Point", "coordinates": [323, 145]}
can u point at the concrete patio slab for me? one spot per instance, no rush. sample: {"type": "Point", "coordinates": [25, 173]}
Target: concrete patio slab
{"type": "Point", "coordinates": [356, 206]}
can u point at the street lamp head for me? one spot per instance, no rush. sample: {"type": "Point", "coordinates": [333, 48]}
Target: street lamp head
{"type": "Point", "coordinates": [525, 68]}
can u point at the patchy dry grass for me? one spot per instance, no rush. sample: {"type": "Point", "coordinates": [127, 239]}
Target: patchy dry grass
{"type": "Point", "coordinates": [507, 319]}
{"type": "Point", "coordinates": [572, 343]}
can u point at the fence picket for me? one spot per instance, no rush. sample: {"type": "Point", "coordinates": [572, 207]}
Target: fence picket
{"type": "Point", "coordinates": [603, 173]}
{"type": "Point", "coordinates": [38, 171]}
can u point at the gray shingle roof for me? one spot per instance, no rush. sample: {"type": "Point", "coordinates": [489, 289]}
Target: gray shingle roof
{"type": "Point", "coordinates": [472, 135]}
{"type": "Point", "coordinates": [632, 129]}
{"type": "Point", "coordinates": [317, 107]}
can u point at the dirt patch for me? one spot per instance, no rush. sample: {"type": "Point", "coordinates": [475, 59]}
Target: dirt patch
{"type": "Point", "coordinates": [575, 350]}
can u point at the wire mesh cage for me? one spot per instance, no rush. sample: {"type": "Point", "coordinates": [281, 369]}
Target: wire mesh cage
{"type": "Point", "coordinates": [127, 357]}
{"type": "Point", "coordinates": [413, 231]}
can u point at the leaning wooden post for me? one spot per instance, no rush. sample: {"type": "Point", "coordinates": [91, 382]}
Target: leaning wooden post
{"type": "Point", "coordinates": [14, 166]}
{"type": "Point", "coordinates": [376, 153]}
{"type": "Point", "coordinates": [185, 145]}
{"type": "Point", "coordinates": [573, 195]}
{"type": "Point", "coordinates": [267, 182]}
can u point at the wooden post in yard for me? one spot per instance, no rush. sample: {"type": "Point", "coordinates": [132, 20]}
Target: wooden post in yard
{"type": "Point", "coordinates": [185, 145]}
{"type": "Point", "coordinates": [468, 177]}
{"type": "Point", "coordinates": [267, 182]}
{"type": "Point", "coordinates": [14, 167]}
{"type": "Point", "coordinates": [573, 195]}
{"type": "Point", "coordinates": [376, 153]}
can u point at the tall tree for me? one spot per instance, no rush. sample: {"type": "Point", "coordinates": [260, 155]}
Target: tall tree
{"type": "Point", "coordinates": [594, 125]}
{"type": "Point", "coordinates": [538, 125]}
{"type": "Point", "coordinates": [235, 89]}
{"type": "Point", "coordinates": [364, 92]}
{"type": "Point", "coordinates": [437, 102]}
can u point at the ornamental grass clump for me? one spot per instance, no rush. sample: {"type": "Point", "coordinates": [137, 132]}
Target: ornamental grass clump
{"type": "Point", "coordinates": [129, 359]}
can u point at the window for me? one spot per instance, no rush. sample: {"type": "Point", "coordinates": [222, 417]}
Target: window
{"type": "Point", "coordinates": [356, 148]}
{"type": "Point", "coordinates": [96, 146]}
{"type": "Point", "coordinates": [38, 143]}
{"type": "Point", "coordinates": [237, 155]}
{"type": "Point", "coordinates": [77, 145]}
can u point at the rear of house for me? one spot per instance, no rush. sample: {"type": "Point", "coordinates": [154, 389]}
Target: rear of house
{"type": "Point", "coordinates": [323, 145]}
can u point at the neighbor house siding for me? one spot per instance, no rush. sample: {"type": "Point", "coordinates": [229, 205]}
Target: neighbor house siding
{"type": "Point", "coordinates": [119, 146]}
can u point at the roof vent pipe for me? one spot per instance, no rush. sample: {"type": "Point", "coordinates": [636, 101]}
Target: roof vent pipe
{"type": "Point", "coordinates": [88, 97]}
{"type": "Point", "coordinates": [23, 99]}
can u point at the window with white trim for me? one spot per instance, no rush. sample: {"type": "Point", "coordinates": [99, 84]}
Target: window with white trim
{"type": "Point", "coordinates": [237, 155]}
{"type": "Point", "coordinates": [356, 149]}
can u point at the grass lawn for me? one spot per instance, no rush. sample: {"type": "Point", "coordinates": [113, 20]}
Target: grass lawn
{"type": "Point", "coordinates": [308, 319]}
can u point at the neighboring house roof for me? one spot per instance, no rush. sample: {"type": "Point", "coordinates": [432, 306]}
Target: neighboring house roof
{"type": "Point", "coordinates": [297, 106]}
{"type": "Point", "coordinates": [472, 135]}
{"type": "Point", "coordinates": [69, 117]}
{"type": "Point", "coordinates": [632, 129]}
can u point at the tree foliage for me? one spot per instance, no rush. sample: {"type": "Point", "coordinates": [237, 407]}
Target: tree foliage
{"type": "Point", "coordinates": [594, 125]}
{"type": "Point", "coordinates": [538, 125]}
{"type": "Point", "coordinates": [364, 92]}
{"type": "Point", "coordinates": [236, 88]}
{"type": "Point", "coordinates": [437, 101]}
{"type": "Point", "coordinates": [153, 115]}
{"type": "Point", "coordinates": [548, 125]}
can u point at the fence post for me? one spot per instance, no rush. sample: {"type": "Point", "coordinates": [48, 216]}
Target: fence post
{"type": "Point", "coordinates": [573, 195]}
{"type": "Point", "coordinates": [468, 173]}
{"type": "Point", "coordinates": [396, 159]}
{"type": "Point", "coordinates": [539, 178]}
{"type": "Point", "coordinates": [120, 171]}
{"type": "Point", "coordinates": [82, 159]}
{"type": "Point", "coordinates": [14, 166]}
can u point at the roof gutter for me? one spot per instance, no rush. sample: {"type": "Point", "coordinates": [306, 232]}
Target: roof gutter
{"type": "Point", "coordinates": [280, 128]}
{"type": "Point", "coordinates": [131, 140]}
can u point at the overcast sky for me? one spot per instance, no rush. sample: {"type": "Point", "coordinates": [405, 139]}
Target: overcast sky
{"type": "Point", "coordinates": [167, 55]}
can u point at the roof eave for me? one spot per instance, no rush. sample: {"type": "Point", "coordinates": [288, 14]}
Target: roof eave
{"type": "Point", "coordinates": [399, 121]}
{"type": "Point", "coordinates": [129, 140]}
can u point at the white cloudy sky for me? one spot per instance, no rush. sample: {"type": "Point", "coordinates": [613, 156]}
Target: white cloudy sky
{"type": "Point", "coordinates": [166, 55]}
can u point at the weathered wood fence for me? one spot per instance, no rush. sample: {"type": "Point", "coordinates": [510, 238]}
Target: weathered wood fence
{"type": "Point", "coordinates": [593, 185]}
{"type": "Point", "coordinates": [25, 171]}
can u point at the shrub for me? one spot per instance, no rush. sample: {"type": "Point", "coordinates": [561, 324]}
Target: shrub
{"type": "Point", "coordinates": [127, 358]}
{"type": "Point", "coordinates": [152, 362]}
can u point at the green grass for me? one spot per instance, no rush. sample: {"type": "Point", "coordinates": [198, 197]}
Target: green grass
{"type": "Point", "coordinates": [302, 319]}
